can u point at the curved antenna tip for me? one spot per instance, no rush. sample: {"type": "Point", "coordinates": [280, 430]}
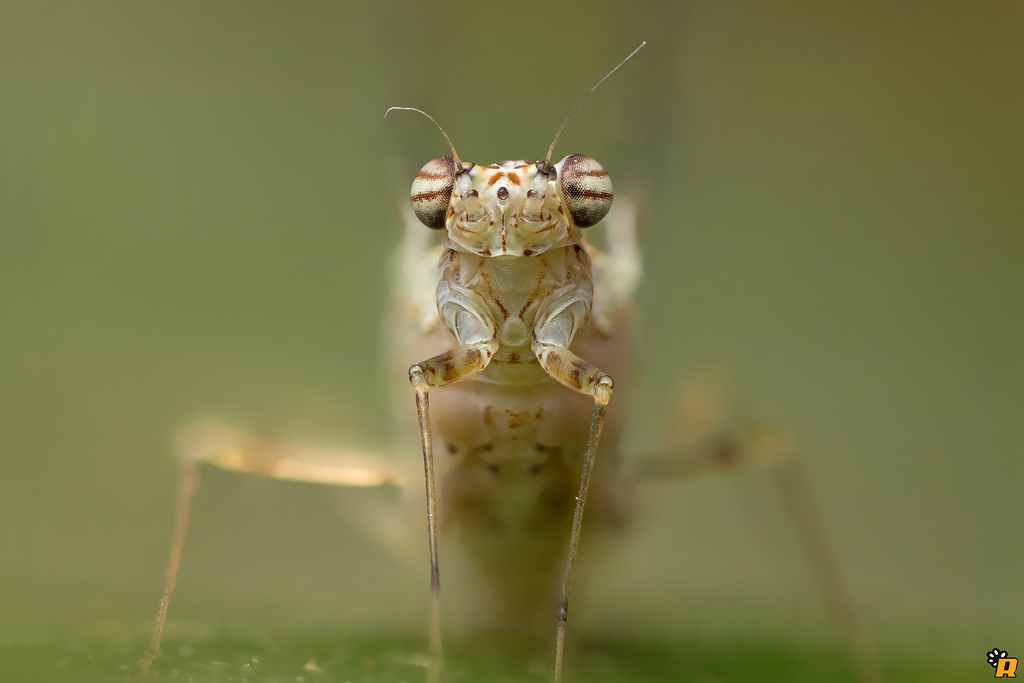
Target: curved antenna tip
{"type": "Point", "coordinates": [455, 154]}
{"type": "Point", "coordinates": [576, 106]}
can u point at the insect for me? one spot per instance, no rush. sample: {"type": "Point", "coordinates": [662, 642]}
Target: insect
{"type": "Point", "coordinates": [520, 325]}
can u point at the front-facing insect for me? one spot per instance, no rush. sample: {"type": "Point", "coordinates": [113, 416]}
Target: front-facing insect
{"type": "Point", "coordinates": [524, 324]}
{"type": "Point", "coordinates": [515, 291]}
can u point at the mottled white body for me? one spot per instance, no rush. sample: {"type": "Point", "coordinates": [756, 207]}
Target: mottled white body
{"type": "Point", "coordinates": [510, 439]}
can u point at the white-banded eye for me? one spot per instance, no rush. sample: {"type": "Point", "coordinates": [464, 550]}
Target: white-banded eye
{"type": "Point", "coordinates": [432, 190]}
{"type": "Point", "coordinates": [587, 189]}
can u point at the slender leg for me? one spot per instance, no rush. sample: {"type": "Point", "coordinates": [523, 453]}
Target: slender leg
{"type": "Point", "coordinates": [804, 514]}
{"type": "Point", "coordinates": [187, 479]}
{"type": "Point", "coordinates": [766, 444]}
{"type": "Point", "coordinates": [759, 445]}
{"type": "Point", "coordinates": [212, 443]}
{"type": "Point", "coordinates": [419, 382]}
{"type": "Point", "coordinates": [577, 374]}
{"type": "Point", "coordinates": [602, 394]}
{"type": "Point", "coordinates": [461, 362]}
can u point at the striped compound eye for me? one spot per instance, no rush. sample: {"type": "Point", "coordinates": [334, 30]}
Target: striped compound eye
{"type": "Point", "coordinates": [587, 189]}
{"type": "Point", "coordinates": [432, 190]}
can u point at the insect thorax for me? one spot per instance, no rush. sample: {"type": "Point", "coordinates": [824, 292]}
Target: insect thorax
{"type": "Point", "coordinates": [512, 298]}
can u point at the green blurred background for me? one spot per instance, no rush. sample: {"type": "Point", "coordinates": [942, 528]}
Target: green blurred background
{"type": "Point", "coordinates": [197, 202]}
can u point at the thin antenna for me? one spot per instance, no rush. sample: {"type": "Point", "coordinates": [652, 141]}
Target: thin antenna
{"type": "Point", "coordinates": [448, 139]}
{"type": "Point", "coordinates": [551, 149]}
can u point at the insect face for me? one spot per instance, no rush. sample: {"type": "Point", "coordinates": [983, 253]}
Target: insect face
{"type": "Point", "coordinates": [515, 208]}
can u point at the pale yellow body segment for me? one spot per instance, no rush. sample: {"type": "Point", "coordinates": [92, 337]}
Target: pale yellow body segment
{"type": "Point", "coordinates": [510, 440]}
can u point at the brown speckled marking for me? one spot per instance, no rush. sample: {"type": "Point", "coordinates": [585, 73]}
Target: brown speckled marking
{"type": "Point", "coordinates": [489, 282]}
{"type": "Point", "coordinates": [538, 284]}
{"type": "Point", "coordinates": [448, 366]}
{"type": "Point", "coordinates": [495, 178]}
{"type": "Point", "coordinates": [514, 179]}
{"type": "Point", "coordinates": [517, 420]}
{"type": "Point", "coordinates": [489, 415]}
{"type": "Point", "coordinates": [578, 369]}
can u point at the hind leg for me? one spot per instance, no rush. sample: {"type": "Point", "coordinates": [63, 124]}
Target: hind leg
{"type": "Point", "coordinates": [712, 440]}
{"type": "Point", "coordinates": [214, 444]}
